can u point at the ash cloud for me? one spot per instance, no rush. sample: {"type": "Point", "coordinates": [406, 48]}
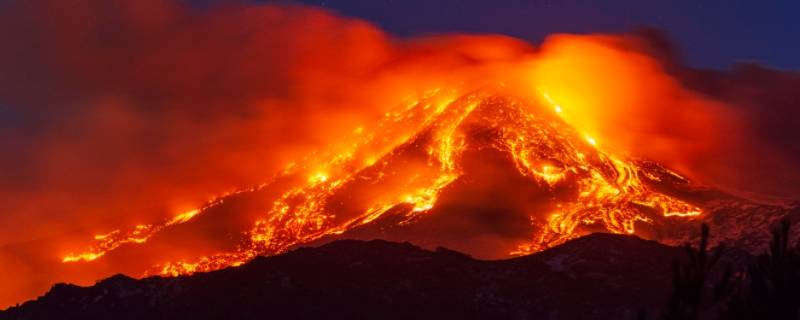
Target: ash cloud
{"type": "Point", "coordinates": [728, 129]}
{"type": "Point", "coordinates": [121, 95]}
{"type": "Point", "coordinates": [761, 155]}
{"type": "Point", "coordinates": [126, 111]}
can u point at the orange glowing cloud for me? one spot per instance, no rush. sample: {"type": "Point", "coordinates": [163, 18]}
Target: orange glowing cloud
{"type": "Point", "coordinates": [624, 98]}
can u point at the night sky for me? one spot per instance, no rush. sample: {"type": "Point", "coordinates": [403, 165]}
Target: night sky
{"type": "Point", "coordinates": [712, 34]}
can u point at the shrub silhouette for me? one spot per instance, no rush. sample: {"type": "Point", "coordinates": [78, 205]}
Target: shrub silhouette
{"type": "Point", "coordinates": [692, 295]}
{"type": "Point", "coordinates": [769, 288]}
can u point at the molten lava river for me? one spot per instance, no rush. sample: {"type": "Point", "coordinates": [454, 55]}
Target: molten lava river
{"type": "Point", "coordinates": [491, 174]}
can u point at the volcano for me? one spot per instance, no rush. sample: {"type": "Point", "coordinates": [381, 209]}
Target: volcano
{"type": "Point", "coordinates": [487, 173]}
{"type": "Point", "coordinates": [172, 140]}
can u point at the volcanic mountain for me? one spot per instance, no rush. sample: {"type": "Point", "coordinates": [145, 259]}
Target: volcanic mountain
{"type": "Point", "coordinates": [493, 175]}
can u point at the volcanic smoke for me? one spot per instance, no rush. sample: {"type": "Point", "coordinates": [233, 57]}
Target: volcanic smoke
{"type": "Point", "coordinates": [163, 139]}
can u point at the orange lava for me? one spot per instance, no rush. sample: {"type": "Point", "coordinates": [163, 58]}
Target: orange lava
{"type": "Point", "coordinates": [544, 148]}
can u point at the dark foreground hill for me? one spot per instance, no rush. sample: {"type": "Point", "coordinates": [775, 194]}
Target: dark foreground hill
{"type": "Point", "coordinates": [600, 276]}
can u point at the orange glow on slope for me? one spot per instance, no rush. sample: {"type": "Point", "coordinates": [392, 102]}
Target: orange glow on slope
{"type": "Point", "coordinates": [140, 233]}
{"type": "Point", "coordinates": [542, 147]}
{"type": "Point", "coordinates": [590, 140]}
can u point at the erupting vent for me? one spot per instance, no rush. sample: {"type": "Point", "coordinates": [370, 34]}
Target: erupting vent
{"type": "Point", "coordinates": [407, 160]}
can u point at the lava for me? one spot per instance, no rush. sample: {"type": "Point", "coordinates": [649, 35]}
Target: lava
{"type": "Point", "coordinates": [610, 190]}
{"type": "Point", "coordinates": [141, 233]}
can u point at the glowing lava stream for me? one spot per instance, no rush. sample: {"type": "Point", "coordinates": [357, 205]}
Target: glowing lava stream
{"type": "Point", "coordinates": [610, 190]}
{"type": "Point", "coordinates": [141, 233]}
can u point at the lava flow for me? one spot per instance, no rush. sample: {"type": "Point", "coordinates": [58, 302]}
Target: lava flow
{"type": "Point", "coordinates": [416, 152]}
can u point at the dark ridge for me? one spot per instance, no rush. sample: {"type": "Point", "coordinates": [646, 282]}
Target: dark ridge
{"type": "Point", "coordinates": [597, 276]}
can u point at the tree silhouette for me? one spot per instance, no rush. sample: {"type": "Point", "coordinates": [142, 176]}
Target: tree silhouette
{"type": "Point", "coordinates": [692, 296]}
{"type": "Point", "coordinates": [771, 289]}
{"type": "Point", "coordinates": [767, 289]}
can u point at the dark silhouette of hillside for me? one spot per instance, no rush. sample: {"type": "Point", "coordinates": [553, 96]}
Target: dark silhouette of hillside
{"type": "Point", "coordinates": [597, 276]}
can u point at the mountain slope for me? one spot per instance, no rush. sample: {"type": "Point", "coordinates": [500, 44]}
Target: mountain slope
{"type": "Point", "coordinates": [595, 276]}
{"type": "Point", "coordinates": [502, 172]}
